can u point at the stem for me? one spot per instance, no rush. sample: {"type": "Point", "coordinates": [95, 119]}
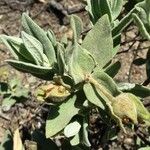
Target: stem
{"type": "Point", "coordinates": [101, 88]}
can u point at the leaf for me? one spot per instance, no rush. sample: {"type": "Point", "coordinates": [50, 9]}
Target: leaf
{"type": "Point", "coordinates": [17, 143]}
{"type": "Point", "coordinates": [14, 82]}
{"type": "Point", "coordinates": [7, 103]}
{"type": "Point", "coordinates": [60, 59]}
{"type": "Point", "coordinates": [106, 81]}
{"type": "Point", "coordinates": [113, 69]}
{"type": "Point", "coordinates": [52, 38]}
{"type": "Point", "coordinates": [93, 96]}
{"type": "Point", "coordinates": [135, 89]}
{"type": "Point", "coordinates": [116, 7]}
{"type": "Point", "coordinates": [7, 141]}
{"type": "Point", "coordinates": [75, 140]}
{"type": "Point", "coordinates": [57, 120]}
{"type": "Point", "coordinates": [34, 48]}
{"type": "Point", "coordinates": [123, 23]}
{"type": "Point", "coordinates": [32, 28]}
{"type": "Point", "coordinates": [85, 139]}
{"type": "Point", "coordinates": [99, 42]}
{"type": "Point", "coordinates": [144, 148]}
{"type": "Point", "coordinates": [98, 8]}
{"type": "Point", "coordinates": [72, 129]}
{"type": "Point", "coordinates": [77, 26]}
{"type": "Point", "coordinates": [80, 63]}
{"type": "Point", "coordinates": [140, 24]}
{"type": "Point", "coordinates": [4, 39]}
{"type": "Point", "coordinates": [142, 112]}
{"type": "Point", "coordinates": [141, 18]}
{"type": "Point", "coordinates": [30, 68]}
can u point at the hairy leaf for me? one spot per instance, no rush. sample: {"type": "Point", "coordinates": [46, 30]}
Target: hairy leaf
{"type": "Point", "coordinates": [34, 47]}
{"type": "Point", "coordinates": [116, 7]}
{"type": "Point", "coordinates": [93, 96]}
{"type": "Point", "coordinates": [72, 129]}
{"type": "Point", "coordinates": [57, 120]}
{"type": "Point", "coordinates": [32, 28]}
{"type": "Point", "coordinates": [30, 68]}
{"type": "Point", "coordinates": [80, 63]}
{"type": "Point", "coordinates": [106, 81]}
{"type": "Point", "coordinates": [98, 8]}
{"type": "Point", "coordinates": [136, 89]}
{"type": "Point", "coordinates": [99, 42]}
{"type": "Point", "coordinates": [77, 27]}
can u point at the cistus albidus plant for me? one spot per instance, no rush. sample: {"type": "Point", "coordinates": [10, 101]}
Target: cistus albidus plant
{"type": "Point", "coordinates": [79, 75]}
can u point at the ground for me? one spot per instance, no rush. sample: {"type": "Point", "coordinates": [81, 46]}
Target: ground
{"type": "Point", "coordinates": [53, 15]}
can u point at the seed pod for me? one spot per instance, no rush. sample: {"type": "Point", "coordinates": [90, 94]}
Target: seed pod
{"type": "Point", "coordinates": [125, 108]}
{"type": "Point", "coordinates": [55, 93]}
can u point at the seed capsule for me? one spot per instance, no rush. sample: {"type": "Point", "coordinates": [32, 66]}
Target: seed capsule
{"type": "Point", "coordinates": [125, 108]}
{"type": "Point", "coordinates": [55, 93]}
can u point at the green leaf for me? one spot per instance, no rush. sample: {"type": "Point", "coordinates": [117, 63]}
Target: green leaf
{"type": "Point", "coordinates": [72, 129]}
{"type": "Point", "coordinates": [142, 112]}
{"type": "Point", "coordinates": [32, 28]}
{"type": "Point", "coordinates": [34, 47]}
{"type": "Point", "coordinates": [77, 26]}
{"type": "Point", "coordinates": [98, 8]}
{"type": "Point", "coordinates": [85, 139]}
{"type": "Point", "coordinates": [16, 45]}
{"type": "Point", "coordinates": [30, 68]}
{"type": "Point", "coordinates": [4, 39]}
{"type": "Point", "coordinates": [144, 148]}
{"type": "Point", "coordinates": [52, 38]}
{"type": "Point", "coordinates": [7, 103]}
{"type": "Point", "coordinates": [113, 69]}
{"type": "Point", "coordinates": [7, 142]}
{"type": "Point", "coordinates": [141, 26]}
{"type": "Point", "coordinates": [135, 89]}
{"type": "Point", "coordinates": [93, 97]}
{"type": "Point", "coordinates": [99, 42]}
{"type": "Point", "coordinates": [80, 63]}
{"type": "Point", "coordinates": [116, 7]}
{"type": "Point", "coordinates": [60, 59]}
{"type": "Point", "coordinates": [75, 140]}
{"type": "Point", "coordinates": [57, 120]}
{"type": "Point", "coordinates": [106, 81]}
{"type": "Point", "coordinates": [142, 19]}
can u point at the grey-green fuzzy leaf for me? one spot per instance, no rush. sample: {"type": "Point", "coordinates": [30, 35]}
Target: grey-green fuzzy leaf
{"type": "Point", "coordinates": [106, 81]}
{"type": "Point", "coordinates": [93, 96]}
{"type": "Point", "coordinates": [57, 120]}
{"type": "Point", "coordinates": [77, 26]}
{"type": "Point", "coordinates": [33, 29]}
{"type": "Point", "coordinates": [80, 63]}
{"type": "Point", "coordinates": [99, 42]}
{"type": "Point", "coordinates": [30, 68]}
{"type": "Point", "coordinates": [34, 47]}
